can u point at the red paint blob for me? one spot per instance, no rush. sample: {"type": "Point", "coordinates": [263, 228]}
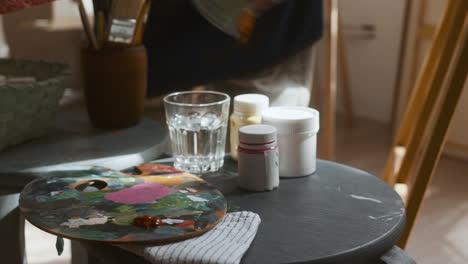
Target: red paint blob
{"type": "Point", "coordinates": [147, 221]}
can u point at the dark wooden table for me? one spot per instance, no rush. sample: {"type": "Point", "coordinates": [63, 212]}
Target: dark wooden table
{"type": "Point", "coordinates": [337, 215]}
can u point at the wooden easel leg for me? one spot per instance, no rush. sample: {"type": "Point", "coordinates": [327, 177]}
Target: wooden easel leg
{"type": "Point", "coordinates": [331, 55]}
{"type": "Point", "coordinates": [424, 97]}
{"type": "Point", "coordinates": [315, 89]}
{"type": "Point", "coordinates": [444, 48]}
{"type": "Point", "coordinates": [442, 123]}
{"type": "Point", "coordinates": [345, 82]}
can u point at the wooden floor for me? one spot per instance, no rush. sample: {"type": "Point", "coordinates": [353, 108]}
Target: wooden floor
{"type": "Point", "coordinates": [441, 232]}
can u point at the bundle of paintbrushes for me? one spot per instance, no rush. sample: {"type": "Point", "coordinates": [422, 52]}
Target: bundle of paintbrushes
{"type": "Point", "coordinates": [117, 23]}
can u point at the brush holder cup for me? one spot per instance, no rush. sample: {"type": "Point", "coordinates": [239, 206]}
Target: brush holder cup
{"type": "Point", "coordinates": [115, 82]}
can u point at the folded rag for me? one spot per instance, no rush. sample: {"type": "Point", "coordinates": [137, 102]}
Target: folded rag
{"type": "Point", "coordinates": [225, 243]}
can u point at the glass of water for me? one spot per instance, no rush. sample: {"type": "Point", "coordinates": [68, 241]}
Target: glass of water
{"type": "Point", "coordinates": [197, 124]}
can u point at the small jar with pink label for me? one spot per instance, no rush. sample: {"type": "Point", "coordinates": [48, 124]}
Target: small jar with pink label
{"type": "Point", "coordinates": [258, 158]}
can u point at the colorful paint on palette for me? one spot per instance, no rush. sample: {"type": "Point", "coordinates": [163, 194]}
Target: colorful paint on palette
{"type": "Point", "coordinates": [93, 203]}
{"type": "Point", "coordinates": [140, 193]}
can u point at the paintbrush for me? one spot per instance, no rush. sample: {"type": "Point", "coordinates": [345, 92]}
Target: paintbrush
{"type": "Point", "coordinates": [124, 14]}
{"type": "Point", "coordinates": [102, 5]}
{"type": "Point", "coordinates": [141, 21]}
{"type": "Point", "coordinates": [101, 28]}
{"type": "Point", "coordinates": [86, 25]}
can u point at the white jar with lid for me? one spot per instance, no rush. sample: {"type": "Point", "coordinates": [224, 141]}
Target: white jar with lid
{"type": "Point", "coordinates": [247, 111]}
{"type": "Point", "coordinates": [258, 158]}
{"type": "Point", "coordinates": [297, 129]}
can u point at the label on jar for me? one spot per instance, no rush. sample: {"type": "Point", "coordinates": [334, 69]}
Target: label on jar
{"type": "Point", "coordinates": [271, 169]}
{"type": "Point", "coordinates": [258, 169]}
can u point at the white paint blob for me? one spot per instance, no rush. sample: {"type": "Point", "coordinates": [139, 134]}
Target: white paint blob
{"type": "Point", "coordinates": [196, 198]}
{"type": "Point", "coordinates": [77, 222]}
{"type": "Point", "coordinates": [170, 221]}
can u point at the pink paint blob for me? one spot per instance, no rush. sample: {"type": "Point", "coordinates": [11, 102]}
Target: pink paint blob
{"type": "Point", "coordinates": [140, 193]}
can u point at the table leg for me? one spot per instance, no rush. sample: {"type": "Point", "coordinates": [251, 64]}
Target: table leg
{"type": "Point", "coordinates": [11, 228]}
{"type": "Point", "coordinates": [80, 254]}
{"type": "Point", "coordinates": [397, 255]}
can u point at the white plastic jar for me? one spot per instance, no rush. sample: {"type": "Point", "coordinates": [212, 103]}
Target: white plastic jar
{"type": "Point", "coordinates": [297, 129]}
{"type": "Point", "coordinates": [247, 111]}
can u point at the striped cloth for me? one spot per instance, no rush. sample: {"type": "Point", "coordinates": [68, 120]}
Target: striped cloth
{"type": "Point", "coordinates": [225, 243]}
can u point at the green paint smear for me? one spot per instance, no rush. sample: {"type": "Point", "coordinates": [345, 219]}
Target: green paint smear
{"type": "Point", "coordinates": [123, 215]}
{"type": "Point", "coordinates": [200, 207]}
{"type": "Point", "coordinates": [173, 201]}
{"type": "Point", "coordinates": [125, 220]}
{"type": "Point", "coordinates": [127, 180]}
{"type": "Point", "coordinates": [124, 209]}
{"type": "Point", "coordinates": [46, 198]}
{"type": "Point", "coordinates": [168, 231]}
{"type": "Point", "coordinates": [93, 195]}
{"type": "Point", "coordinates": [66, 195]}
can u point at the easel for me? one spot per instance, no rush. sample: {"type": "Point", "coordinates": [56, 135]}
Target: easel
{"type": "Point", "coordinates": [423, 131]}
{"type": "Point", "coordinates": [335, 56]}
{"type": "Point", "coordinates": [414, 35]}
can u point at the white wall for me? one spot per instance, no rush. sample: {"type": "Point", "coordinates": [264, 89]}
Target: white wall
{"type": "Point", "coordinates": [373, 62]}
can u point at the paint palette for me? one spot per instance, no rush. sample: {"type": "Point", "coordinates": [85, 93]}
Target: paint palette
{"type": "Point", "coordinates": [98, 204]}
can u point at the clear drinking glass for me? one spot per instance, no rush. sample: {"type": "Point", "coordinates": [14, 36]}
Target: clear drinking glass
{"type": "Point", "coordinates": [197, 124]}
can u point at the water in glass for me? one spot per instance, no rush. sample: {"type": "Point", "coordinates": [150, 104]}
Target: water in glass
{"type": "Point", "coordinates": [197, 124]}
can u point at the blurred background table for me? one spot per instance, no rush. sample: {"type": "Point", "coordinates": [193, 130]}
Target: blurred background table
{"type": "Point", "coordinates": [70, 141]}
